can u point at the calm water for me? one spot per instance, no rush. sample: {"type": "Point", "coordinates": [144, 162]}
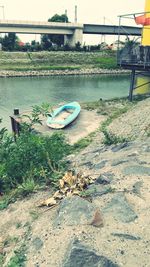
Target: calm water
{"type": "Point", "coordinates": [25, 92]}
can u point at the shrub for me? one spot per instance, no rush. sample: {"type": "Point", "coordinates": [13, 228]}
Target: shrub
{"type": "Point", "coordinates": [32, 160]}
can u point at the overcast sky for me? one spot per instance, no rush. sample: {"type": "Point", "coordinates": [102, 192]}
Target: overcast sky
{"type": "Point", "coordinates": [89, 11]}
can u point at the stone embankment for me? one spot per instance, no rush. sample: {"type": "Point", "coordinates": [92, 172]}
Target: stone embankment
{"type": "Point", "coordinates": [33, 73]}
{"type": "Point", "coordinates": [135, 124]}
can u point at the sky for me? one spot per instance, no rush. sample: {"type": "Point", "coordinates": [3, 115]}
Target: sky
{"type": "Point", "coordinates": [88, 11]}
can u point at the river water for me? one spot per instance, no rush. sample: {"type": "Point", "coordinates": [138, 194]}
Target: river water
{"type": "Point", "coordinates": [24, 92]}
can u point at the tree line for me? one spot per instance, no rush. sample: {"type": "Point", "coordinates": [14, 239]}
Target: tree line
{"type": "Point", "coordinates": [11, 42]}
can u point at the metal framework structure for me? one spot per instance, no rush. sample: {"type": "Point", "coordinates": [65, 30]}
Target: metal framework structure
{"type": "Point", "coordinates": [133, 55]}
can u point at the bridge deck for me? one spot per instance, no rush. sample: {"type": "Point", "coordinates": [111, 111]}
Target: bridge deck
{"type": "Point", "coordinates": [43, 27]}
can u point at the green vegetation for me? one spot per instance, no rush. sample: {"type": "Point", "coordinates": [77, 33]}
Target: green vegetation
{"type": "Point", "coordinates": [106, 62]}
{"type": "Point", "coordinates": [84, 142]}
{"type": "Point", "coordinates": [38, 68]}
{"type": "Point", "coordinates": [109, 137]}
{"type": "Point", "coordinates": [31, 162]}
{"type": "Point", "coordinates": [1, 259]}
{"type": "Point", "coordinates": [27, 61]}
{"type": "Point", "coordinates": [18, 260]}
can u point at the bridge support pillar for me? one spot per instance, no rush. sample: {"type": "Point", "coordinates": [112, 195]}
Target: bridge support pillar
{"type": "Point", "coordinates": [77, 36]}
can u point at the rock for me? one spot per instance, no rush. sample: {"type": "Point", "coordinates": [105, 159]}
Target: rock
{"type": "Point", "coordinates": [127, 236]}
{"type": "Point", "coordinates": [136, 170]}
{"type": "Point", "coordinates": [100, 165]}
{"type": "Point", "coordinates": [97, 190]}
{"type": "Point", "coordinates": [120, 209]}
{"type": "Point", "coordinates": [116, 148]}
{"type": "Point", "coordinates": [104, 179]}
{"type": "Point", "coordinates": [37, 243]}
{"type": "Point", "coordinates": [80, 256]}
{"type": "Point", "coordinates": [89, 164]}
{"type": "Point", "coordinates": [118, 162]}
{"type": "Point", "coordinates": [75, 211]}
{"type": "Point", "coordinates": [137, 188]}
{"type": "Point", "coordinates": [97, 220]}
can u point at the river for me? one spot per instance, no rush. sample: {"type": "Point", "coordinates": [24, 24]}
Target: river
{"type": "Point", "coordinates": [24, 92]}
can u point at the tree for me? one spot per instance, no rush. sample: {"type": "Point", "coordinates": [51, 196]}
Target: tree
{"type": "Point", "coordinates": [59, 18]}
{"type": "Point", "coordinates": [49, 39]}
{"type": "Point", "coordinates": [10, 41]}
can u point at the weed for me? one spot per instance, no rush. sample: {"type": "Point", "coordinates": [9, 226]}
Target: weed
{"type": "Point", "coordinates": [19, 258]}
{"type": "Point", "coordinates": [10, 240]}
{"type": "Point", "coordinates": [113, 139]}
{"type": "Point", "coordinates": [84, 142]}
{"type": "Point", "coordinates": [28, 186]}
{"type": "Point", "coordinates": [18, 225]}
{"type": "Point", "coordinates": [109, 137]}
{"type": "Point", "coordinates": [25, 161]}
{"type": "Point", "coordinates": [147, 130]}
{"type": "Point", "coordinates": [34, 214]}
{"type": "Point", "coordinates": [1, 259]}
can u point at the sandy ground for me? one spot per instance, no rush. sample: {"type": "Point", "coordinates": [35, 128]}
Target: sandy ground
{"type": "Point", "coordinates": [86, 123]}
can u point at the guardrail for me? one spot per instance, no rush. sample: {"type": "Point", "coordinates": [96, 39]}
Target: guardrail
{"type": "Point", "coordinates": [134, 56]}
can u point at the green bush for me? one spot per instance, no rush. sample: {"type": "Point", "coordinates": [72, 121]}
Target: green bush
{"type": "Point", "coordinates": [31, 160]}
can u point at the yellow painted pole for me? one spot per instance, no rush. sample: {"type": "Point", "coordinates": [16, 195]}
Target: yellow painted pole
{"type": "Point", "coordinates": [145, 42]}
{"type": "Point", "coordinates": [146, 29]}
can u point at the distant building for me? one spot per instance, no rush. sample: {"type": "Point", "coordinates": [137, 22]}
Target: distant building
{"type": "Point", "coordinates": [20, 43]}
{"type": "Point", "coordinates": [114, 46]}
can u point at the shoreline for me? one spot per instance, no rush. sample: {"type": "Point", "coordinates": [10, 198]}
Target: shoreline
{"type": "Point", "coordinates": [34, 73]}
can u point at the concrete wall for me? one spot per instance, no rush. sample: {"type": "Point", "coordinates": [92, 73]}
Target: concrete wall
{"type": "Point", "coordinates": [77, 36]}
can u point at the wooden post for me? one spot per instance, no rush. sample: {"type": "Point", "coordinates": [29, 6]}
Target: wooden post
{"type": "Point", "coordinates": [15, 125]}
{"type": "Point", "coordinates": [132, 79]}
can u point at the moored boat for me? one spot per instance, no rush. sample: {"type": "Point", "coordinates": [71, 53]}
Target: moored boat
{"type": "Point", "coordinates": [63, 116]}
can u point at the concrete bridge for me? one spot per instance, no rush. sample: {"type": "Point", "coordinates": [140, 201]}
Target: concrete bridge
{"type": "Point", "coordinates": [73, 32]}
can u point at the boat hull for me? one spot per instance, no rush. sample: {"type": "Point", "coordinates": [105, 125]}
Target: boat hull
{"type": "Point", "coordinates": [63, 116]}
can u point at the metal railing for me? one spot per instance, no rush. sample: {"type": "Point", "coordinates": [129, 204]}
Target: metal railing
{"type": "Point", "coordinates": [134, 55]}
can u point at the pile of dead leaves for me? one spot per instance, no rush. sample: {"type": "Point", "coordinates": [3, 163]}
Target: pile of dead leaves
{"type": "Point", "coordinates": [71, 184]}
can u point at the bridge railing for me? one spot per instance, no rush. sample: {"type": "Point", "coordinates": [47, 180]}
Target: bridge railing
{"type": "Point", "coordinates": [135, 55]}
{"type": "Point", "coordinates": [41, 23]}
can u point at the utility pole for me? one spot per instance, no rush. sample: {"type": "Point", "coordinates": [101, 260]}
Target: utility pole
{"type": "Point", "coordinates": [75, 19]}
{"type": "Point", "coordinates": [66, 14]}
{"type": "Point", "coordinates": [103, 35]}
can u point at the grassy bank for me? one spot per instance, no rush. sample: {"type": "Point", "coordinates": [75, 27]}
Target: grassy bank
{"type": "Point", "coordinates": [22, 61]}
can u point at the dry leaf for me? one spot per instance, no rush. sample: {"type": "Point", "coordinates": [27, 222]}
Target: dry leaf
{"type": "Point", "coordinates": [58, 195]}
{"type": "Point", "coordinates": [49, 202]}
{"type": "Point", "coordinates": [76, 192]}
{"type": "Point", "coordinates": [61, 183]}
{"type": "Point", "coordinates": [69, 194]}
{"type": "Point", "coordinates": [72, 185]}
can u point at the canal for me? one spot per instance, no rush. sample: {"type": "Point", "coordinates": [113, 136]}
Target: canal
{"type": "Point", "coordinates": [24, 92]}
